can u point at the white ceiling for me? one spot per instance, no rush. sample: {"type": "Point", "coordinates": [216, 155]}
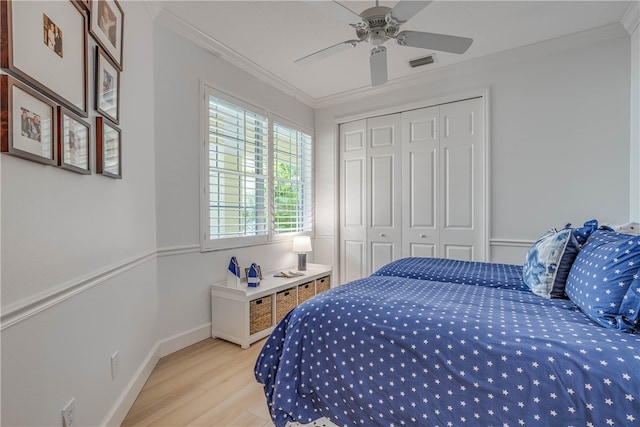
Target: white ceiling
{"type": "Point", "coordinates": [271, 35]}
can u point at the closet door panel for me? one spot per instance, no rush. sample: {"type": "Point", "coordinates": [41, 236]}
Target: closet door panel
{"type": "Point", "coordinates": [464, 253]}
{"type": "Point", "coordinates": [420, 182]}
{"type": "Point", "coordinates": [354, 190]}
{"type": "Point", "coordinates": [353, 200]}
{"type": "Point", "coordinates": [384, 182]}
{"type": "Point", "coordinates": [354, 262]}
{"type": "Point", "coordinates": [422, 189]}
{"type": "Point", "coordinates": [458, 187]}
{"type": "Point", "coordinates": [422, 250]}
{"type": "Point", "coordinates": [462, 175]}
{"type": "Point", "coordinates": [381, 254]}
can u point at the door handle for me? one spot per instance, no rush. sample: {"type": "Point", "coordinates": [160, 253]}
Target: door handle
{"type": "Point", "coordinates": [382, 234]}
{"type": "Point", "coordinates": [423, 235]}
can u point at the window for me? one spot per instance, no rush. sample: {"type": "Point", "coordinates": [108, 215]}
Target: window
{"type": "Point", "coordinates": [257, 175]}
{"type": "Point", "coordinates": [291, 180]}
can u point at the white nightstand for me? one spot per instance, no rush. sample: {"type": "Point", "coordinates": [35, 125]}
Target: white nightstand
{"type": "Point", "coordinates": [244, 316]}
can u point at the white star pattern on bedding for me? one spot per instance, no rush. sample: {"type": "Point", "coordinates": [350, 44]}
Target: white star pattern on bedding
{"type": "Point", "coordinates": [400, 351]}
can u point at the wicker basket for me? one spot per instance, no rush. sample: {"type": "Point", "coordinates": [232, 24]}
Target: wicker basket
{"type": "Point", "coordinates": [285, 301]}
{"type": "Point", "coordinates": [260, 314]}
{"type": "Point", "coordinates": [306, 291]}
{"type": "Point", "coordinates": [322, 284]}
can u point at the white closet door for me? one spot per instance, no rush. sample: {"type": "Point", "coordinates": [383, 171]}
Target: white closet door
{"type": "Point", "coordinates": [353, 201]}
{"type": "Point", "coordinates": [420, 183]}
{"type": "Point", "coordinates": [384, 182]}
{"type": "Point", "coordinates": [461, 198]}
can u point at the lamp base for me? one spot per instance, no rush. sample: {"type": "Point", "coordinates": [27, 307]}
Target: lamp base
{"type": "Point", "coordinates": [302, 262]}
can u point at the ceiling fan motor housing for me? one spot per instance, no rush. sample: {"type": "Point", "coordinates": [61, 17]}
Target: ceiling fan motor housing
{"type": "Point", "coordinates": [379, 28]}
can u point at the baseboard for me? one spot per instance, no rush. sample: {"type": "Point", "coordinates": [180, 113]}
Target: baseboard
{"type": "Point", "coordinates": [184, 339]}
{"type": "Point", "coordinates": [117, 414]}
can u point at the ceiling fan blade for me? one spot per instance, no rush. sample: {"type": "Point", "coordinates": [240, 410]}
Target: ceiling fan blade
{"type": "Point", "coordinates": [378, 62]}
{"type": "Point", "coordinates": [432, 41]}
{"type": "Point", "coordinates": [333, 8]}
{"type": "Point", "coordinates": [331, 50]}
{"type": "Point", "coordinates": [404, 10]}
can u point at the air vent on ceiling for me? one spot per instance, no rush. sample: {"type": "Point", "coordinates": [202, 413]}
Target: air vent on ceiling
{"type": "Point", "coordinates": [425, 60]}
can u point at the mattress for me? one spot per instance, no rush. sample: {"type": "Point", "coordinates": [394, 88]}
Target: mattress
{"type": "Point", "coordinates": [424, 342]}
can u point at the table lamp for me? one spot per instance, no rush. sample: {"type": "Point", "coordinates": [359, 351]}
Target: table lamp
{"type": "Point", "coordinates": [302, 245]}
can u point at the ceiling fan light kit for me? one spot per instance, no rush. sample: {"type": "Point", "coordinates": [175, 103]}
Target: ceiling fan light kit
{"type": "Point", "coordinates": [378, 24]}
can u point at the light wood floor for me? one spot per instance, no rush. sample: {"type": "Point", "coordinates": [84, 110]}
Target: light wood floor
{"type": "Point", "coordinates": [210, 383]}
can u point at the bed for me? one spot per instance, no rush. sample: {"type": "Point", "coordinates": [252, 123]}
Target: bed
{"type": "Point", "coordinates": [448, 343]}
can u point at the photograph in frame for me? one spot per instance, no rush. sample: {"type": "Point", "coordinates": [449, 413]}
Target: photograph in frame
{"type": "Point", "coordinates": [108, 148]}
{"type": "Point", "coordinates": [47, 49]}
{"type": "Point", "coordinates": [74, 142]}
{"type": "Point", "coordinates": [107, 86]}
{"type": "Point", "coordinates": [107, 28]}
{"type": "Point", "coordinates": [28, 125]}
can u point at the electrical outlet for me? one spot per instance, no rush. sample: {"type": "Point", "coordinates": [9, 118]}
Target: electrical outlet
{"type": "Point", "coordinates": [69, 414]}
{"type": "Point", "coordinates": [115, 365]}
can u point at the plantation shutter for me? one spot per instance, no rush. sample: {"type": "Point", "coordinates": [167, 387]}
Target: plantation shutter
{"type": "Point", "coordinates": [238, 171]}
{"type": "Point", "coordinates": [292, 180]}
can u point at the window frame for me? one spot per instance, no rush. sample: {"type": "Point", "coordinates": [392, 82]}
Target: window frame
{"type": "Point", "coordinates": [206, 243]}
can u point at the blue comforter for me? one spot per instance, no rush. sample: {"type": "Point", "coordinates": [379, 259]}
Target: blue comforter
{"type": "Point", "coordinates": [394, 351]}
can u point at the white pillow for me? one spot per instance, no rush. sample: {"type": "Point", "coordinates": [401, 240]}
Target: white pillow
{"type": "Point", "coordinates": [632, 228]}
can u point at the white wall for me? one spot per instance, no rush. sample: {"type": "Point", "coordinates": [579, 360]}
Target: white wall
{"type": "Point", "coordinates": [68, 302]}
{"type": "Point", "coordinates": [185, 274]}
{"type": "Point", "coordinates": [559, 136]}
{"type": "Point", "coordinates": [631, 23]}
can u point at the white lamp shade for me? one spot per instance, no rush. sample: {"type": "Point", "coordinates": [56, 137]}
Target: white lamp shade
{"type": "Point", "coordinates": [301, 244]}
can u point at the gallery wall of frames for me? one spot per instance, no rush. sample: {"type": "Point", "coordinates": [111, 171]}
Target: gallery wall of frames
{"type": "Point", "coordinates": [45, 83]}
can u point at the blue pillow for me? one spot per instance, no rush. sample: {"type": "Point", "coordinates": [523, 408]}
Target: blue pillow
{"type": "Point", "coordinates": [604, 282]}
{"type": "Point", "coordinates": [549, 261]}
{"type": "Point", "coordinates": [582, 233]}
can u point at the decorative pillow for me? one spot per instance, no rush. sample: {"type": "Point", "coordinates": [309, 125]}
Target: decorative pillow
{"type": "Point", "coordinates": [582, 233]}
{"type": "Point", "coordinates": [628, 228]}
{"type": "Point", "coordinates": [604, 282]}
{"type": "Point", "coordinates": [549, 261]}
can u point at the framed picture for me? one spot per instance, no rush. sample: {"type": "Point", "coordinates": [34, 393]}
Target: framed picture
{"type": "Point", "coordinates": [28, 125]}
{"type": "Point", "coordinates": [85, 4]}
{"type": "Point", "coordinates": [44, 43]}
{"type": "Point", "coordinates": [73, 142]}
{"type": "Point", "coordinates": [107, 27]}
{"type": "Point", "coordinates": [107, 86]}
{"type": "Point", "coordinates": [108, 148]}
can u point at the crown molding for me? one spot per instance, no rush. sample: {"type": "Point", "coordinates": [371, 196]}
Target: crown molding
{"type": "Point", "coordinates": [545, 47]}
{"type": "Point", "coordinates": [629, 22]}
{"type": "Point", "coordinates": [220, 50]}
{"type": "Point", "coordinates": [154, 8]}
{"type": "Point", "coordinates": [631, 17]}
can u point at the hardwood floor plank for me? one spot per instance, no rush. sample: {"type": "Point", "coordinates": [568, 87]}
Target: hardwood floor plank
{"type": "Point", "coordinates": [209, 383]}
{"type": "Point", "coordinates": [140, 415]}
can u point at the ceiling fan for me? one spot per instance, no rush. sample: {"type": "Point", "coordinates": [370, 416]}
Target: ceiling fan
{"type": "Point", "coordinates": [378, 24]}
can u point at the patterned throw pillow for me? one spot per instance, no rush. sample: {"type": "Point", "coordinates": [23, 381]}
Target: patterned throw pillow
{"type": "Point", "coordinates": [582, 233]}
{"type": "Point", "coordinates": [604, 282]}
{"type": "Point", "coordinates": [548, 263]}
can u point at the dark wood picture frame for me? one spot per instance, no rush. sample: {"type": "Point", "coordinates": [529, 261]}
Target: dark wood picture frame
{"type": "Point", "coordinates": [107, 28]}
{"type": "Point", "coordinates": [74, 147]}
{"type": "Point", "coordinates": [108, 141]}
{"type": "Point", "coordinates": [30, 133]}
{"type": "Point", "coordinates": [107, 84]}
{"type": "Point", "coordinates": [85, 5]}
{"type": "Point", "coordinates": [55, 67]}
